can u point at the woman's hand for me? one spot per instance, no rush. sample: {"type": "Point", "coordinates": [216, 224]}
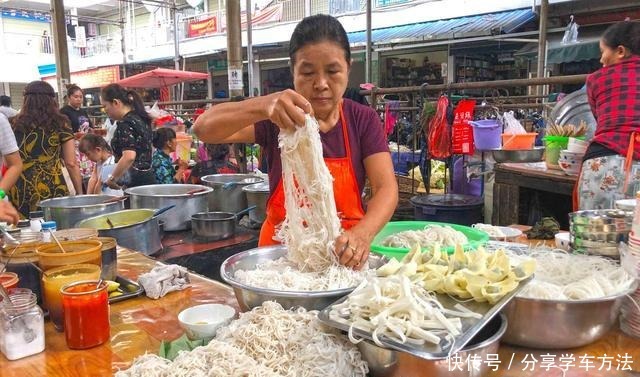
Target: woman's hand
{"type": "Point", "coordinates": [352, 248]}
{"type": "Point", "coordinates": [288, 108]}
{"type": "Point", "coordinates": [8, 213]}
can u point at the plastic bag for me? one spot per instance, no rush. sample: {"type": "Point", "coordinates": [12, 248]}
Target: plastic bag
{"type": "Point", "coordinates": [155, 112]}
{"type": "Point", "coordinates": [512, 125]}
{"type": "Point", "coordinates": [439, 136]}
{"type": "Point", "coordinates": [570, 32]}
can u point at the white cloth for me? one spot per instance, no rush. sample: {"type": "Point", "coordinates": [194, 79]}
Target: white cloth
{"type": "Point", "coordinates": [8, 143]}
{"type": "Point", "coordinates": [164, 279]}
{"type": "Point", "coordinates": [111, 129]}
{"type": "Point", "coordinates": [8, 112]}
{"type": "Point", "coordinates": [104, 169]}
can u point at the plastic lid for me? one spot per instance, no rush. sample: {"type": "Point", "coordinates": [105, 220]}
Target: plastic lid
{"type": "Point", "coordinates": [447, 200]}
{"type": "Point", "coordinates": [36, 214]}
{"type": "Point", "coordinates": [24, 224]}
{"type": "Point", "coordinates": [49, 225]}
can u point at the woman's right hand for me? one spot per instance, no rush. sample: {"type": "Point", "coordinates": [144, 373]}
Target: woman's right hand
{"type": "Point", "coordinates": [8, 213]}
{"type": "Point", "coordinates": [288, 108]}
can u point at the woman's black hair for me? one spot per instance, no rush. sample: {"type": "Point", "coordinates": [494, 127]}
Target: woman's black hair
{"type": "Point", "coordinates": [162, 136]}
{"type": "Point", "coordinates": [318, 28]}
{"type": "Point", "coordinates": [131, 98]}
{"type": "Point", "coordinates": [72, 89]}
{"type": "Point", "coordinates": [93, 141]}
{"type": "Point", "coordinates": [40, 110]}
{"type": "Point", "coordinates": [218, 152]}
{"type": "Point", "coordinates": [626, 33]}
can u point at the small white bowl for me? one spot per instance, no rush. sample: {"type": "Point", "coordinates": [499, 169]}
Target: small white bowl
{"type": "Point", "coordinates": [577, 145]}
{"type": "Point", "coordinates": [203, 321]}
{"type": "Point", "coordinates": [626, 204]}
{"type": "Point", "coordinates": [510, 234]}
{"type": "Point", "coordinates": [563, 240]}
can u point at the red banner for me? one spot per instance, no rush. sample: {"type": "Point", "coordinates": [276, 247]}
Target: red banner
{"type": "Point", "coordinates": [202, 27]}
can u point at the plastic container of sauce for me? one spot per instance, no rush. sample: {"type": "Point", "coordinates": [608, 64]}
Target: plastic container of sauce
{"type": "Point", "coordinates": [86, 314]}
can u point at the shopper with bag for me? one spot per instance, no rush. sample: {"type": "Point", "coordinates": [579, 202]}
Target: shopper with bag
{"type": "Point", "coordinates": [45, 141]}
{"type": "Point", "coordinates": [611, 165]}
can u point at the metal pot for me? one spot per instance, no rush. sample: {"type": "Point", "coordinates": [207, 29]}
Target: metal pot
{"type": "Point", "coordinates": [227, 195]}
{"type": "Point", "coordinates": [68, 210]}
{"type": "Point", "coordinates": [136, 229]}
{"type": "Point", "coordinates": [257, 195]}
{"type": "Point", "coordinates": [383, 362]}
{"type": "Point", "coordinates": [189, 199]}
{"type": "Point", "coordinates": [212, 226]}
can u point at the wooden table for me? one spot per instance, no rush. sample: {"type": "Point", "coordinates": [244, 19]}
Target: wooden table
{"type": "Point", "coordinates": [511, 179]}
{"type": "Point", "coordinates": [139, 325]}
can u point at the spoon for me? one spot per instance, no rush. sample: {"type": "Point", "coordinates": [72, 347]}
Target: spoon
{"type": "Point", "coordinates": [28, 335]}
{"type": "Point", "coordinates": [8, 236]}
{"type": "Point", "coordinates": [109, 223]}
{"type": "Point", "coordinates": [56, 239]}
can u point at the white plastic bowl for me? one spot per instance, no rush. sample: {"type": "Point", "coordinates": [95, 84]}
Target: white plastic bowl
{"type": "Point", "coordinates": [562, 241]}
{"type": "Point", "coordinates": [626, 204]}
{"type": "Point", "coordinates": [203, 321]}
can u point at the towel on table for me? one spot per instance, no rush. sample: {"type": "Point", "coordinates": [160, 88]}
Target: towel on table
{"type": "Point", "coordinates": [164, 279]}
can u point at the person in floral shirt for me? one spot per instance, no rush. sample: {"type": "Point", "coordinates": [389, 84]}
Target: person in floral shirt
{"type": "Point", "coordinates": [164, 140]}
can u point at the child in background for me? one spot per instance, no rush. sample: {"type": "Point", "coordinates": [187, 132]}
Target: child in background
{"type": "Point", "coordinates": [164, 140]}
{"type": "Point", "coordinates": [217, 162]}
{"type": "Point", "coordinates": [96, 149]}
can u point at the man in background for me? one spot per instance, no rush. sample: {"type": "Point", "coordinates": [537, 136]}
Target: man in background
{"type": "Point", "coordinates": [5, 107]}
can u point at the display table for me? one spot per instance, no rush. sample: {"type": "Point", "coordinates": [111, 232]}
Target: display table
{"type": "Point", "coordinates": [139, 325]}
{"type": "Point", "coordinates": [514, 181]}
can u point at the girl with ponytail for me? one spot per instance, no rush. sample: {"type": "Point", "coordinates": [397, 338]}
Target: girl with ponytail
{"type": "Point", "coordinates": [131, 143]}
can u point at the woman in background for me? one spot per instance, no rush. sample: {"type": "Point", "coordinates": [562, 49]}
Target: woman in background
{"type": "Point", "coordinates": [131, 143]}
{"type": "Point", "coordinates": [45, 140]}
{"type": "Point", "coordinates": [80, 124]}
{"type": "Point", "coordinates": [164, 140]}
{"type": "Point", "coordinates": [217, 162]}
{"type": "Point", "coordinates": [610, 170]}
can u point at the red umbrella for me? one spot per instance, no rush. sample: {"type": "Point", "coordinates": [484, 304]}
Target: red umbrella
{"type": "Point", "coordinates": [161, 77]}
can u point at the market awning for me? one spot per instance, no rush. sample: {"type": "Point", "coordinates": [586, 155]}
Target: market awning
{"type": "Point", "coordinates": [586, 48]}
{"type": "Point", "coordinates": [462, 27]}
{"type": "Point", "coordinates": [161, 77]}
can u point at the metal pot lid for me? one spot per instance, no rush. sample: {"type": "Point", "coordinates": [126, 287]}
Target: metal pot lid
{"type": "Point", "coordinates": [240, 179]}
{"type": "Point", "coordinates": [257, 187]}
{"type": "Point", "coordinates": [446, 200]}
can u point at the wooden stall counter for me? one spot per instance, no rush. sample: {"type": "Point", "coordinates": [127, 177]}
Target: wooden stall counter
{"type": "Point", "coordinates": [138, 325]}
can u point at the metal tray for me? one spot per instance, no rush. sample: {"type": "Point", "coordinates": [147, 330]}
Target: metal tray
{"type": "Point", "coordinates": [129, 288]}
{"type": "Point", "coordinates": [428, 351]}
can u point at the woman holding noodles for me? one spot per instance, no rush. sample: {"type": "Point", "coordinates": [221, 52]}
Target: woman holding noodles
{"type": "Point", "coordinates": [353, 142]}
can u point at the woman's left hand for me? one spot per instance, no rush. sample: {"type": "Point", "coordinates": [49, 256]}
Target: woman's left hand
{"type": "Point", "coordinates": [352, 248]}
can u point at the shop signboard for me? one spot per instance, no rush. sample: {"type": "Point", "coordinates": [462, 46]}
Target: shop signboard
{"type": "Point", "coordinates": [91, 78]}
{"type": "Point", "coordinates": [207, 26]}
{"type": "Point", "coordinates": [217, 64]}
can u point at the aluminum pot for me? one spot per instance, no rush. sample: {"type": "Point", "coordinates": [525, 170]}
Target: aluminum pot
{"type": "Point", "coordinates": [189, 199]}
{"type": "Point", "coordinates": [136, 229]}
{"type": "Point", "coordinates": [66, 211]}
{"type": "Point", "coordinates": [250, 297]}
{"type": "Point", "coordinates": [383, 362]}
{"type": "Point", "coordinates": [257, 195]}
{"type": "Point", "coordinates": [213, 226]}
{"type": "Point", "coordinates": [227, 195]}
{"type": "Point", "coordinates": [567, 324]}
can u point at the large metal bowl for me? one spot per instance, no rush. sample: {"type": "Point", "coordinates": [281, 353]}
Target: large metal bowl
{"type": "Point", "coordinates": [519, 155]}
{"type": "Point", "coordinates": [66, 211]}
{"type": "Point", "coordinates": [227, 194]}
{"type": "Point", "coordinates": [383, 362]}
{"type": "Point", "coordinates": [250, 297]}
{"type": "Point", "coordinates": [561, 323]}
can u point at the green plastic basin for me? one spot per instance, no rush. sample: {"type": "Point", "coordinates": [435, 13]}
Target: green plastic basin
{"type": "Point", "coordinates": [476, 237]}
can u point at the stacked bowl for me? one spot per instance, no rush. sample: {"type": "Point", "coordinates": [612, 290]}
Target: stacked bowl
{"type": "Point", "coordinates": [570, 160]}
{"type": "Point", "coordinates": [598, 232]}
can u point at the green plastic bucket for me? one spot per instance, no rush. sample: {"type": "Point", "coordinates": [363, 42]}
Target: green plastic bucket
{"type": "Point", "coordinates": [553, 146]}
{"type": "Point", "coordinates": [476, 237]}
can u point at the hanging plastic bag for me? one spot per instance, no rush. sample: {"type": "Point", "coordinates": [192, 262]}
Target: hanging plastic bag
{"type": "Point", "coordinates": [462, 133]}
{"type": "Point", "coordinates": [512, 125]}
{"type": "Point", "coordinates": [570, 32]}
{"type": "Point", "coordinates": [439, 136]}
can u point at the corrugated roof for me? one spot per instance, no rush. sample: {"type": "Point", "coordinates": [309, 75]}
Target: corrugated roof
{"type": "Point", "coordinates": [462, 27]}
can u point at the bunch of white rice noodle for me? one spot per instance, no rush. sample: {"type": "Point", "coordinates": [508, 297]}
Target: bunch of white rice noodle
{"type": "Point", "coordinates": [426, 238]}
{"type": "Point", "coordinates": [267, 341]}
{"type": "Point", "coordinates": [563, 276]}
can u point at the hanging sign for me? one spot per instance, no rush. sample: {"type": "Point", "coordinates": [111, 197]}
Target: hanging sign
{"type": "Point", "coordinates": [235, 79]}
{"type": "Point", "coordinates": [81, 37]}
{"type": "Point", "coordinates": [206, 26]}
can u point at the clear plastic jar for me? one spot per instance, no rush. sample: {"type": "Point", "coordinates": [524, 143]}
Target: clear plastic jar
{"type": "Point", "coordinates": [21, 325]}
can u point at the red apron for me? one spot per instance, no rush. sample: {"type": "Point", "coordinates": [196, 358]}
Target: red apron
{"type": "Point", "coordinates": [345, 191]}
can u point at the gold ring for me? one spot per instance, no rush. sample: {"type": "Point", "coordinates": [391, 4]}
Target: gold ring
{"type": "Point", "coordinates": [353, 248]}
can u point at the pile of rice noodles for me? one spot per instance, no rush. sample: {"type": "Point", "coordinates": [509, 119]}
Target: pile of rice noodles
{"type": "Point", "coordinates": [311, 224]}
{"type": "Point", "coordinates": [574, 277]}
{"type": "Point", "coordinates": [428, 237]}
{"type": "Point", "coordinates": [267, 341]}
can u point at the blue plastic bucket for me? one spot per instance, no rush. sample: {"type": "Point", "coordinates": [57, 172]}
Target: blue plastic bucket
{"type": "Point", "coordinates": [487, 134]}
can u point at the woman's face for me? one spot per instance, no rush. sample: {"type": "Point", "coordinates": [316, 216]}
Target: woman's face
{"type": "Point", "coordinates": [75, 99]}
{"type": "Point", "coordinates": [611, 55]}
{"type": "Point", "coordinates": [94, 154]}
{"type": "Point", "coordinates": [321, 74]}
{"type": "Point", "coordinates": [113, 109]}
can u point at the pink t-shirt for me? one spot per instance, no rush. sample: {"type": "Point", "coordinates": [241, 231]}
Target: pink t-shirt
{"type": "Point", "coordinates": [366, 137]}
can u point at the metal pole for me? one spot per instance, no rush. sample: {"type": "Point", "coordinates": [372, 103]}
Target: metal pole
{"type": "Point", "coordinates": [307, 8]}
{"type": "Point", "coordinates": [63, 73]}
{"type": "Point", "coordinates": [234, 51]}
{"type": "Point", "coordinates": [123, 43]}
{"type": "Point", "coordinates": [542, 40]}
{"type": "Point", "coordinates": [250, 48]}
{"type": "Point", "coordinates": [368, 63]}
{"type": "Point", "coordinates": [176, 39]}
